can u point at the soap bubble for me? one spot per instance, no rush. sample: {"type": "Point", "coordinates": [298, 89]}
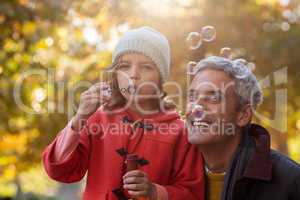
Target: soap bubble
{"type": "Point", "coordinates": [251, 66]}
{"type": "Point", "coordinates": [241, 69]}
{"type": "Point", "coordinates": [225, 52]}
{"type": "Point", "coordinates": [198, 112]}
{"type": "Point", "coordinates": [241, 73]}
{"type": "Point", "coordinates": [194, 40]}
{"type": "Point", "coordinates": [208, 33]}
{"type": "Point", "coordinates": [131, 89]}
{"type": "Point", "coordinates": [107, 93]}
{"type": "Point", "coordinates": [192, 68]}
{"type": "Point", "coordinates": [191, 105]}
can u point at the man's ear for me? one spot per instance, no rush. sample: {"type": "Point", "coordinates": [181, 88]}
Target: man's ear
{"type": "Point", "coordinates": [244, 115]}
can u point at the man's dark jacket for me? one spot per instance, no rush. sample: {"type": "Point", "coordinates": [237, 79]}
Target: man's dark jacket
{"type": "Point", "coordinates": [259, 173]}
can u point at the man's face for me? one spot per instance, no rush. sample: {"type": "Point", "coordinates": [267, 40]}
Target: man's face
{"type": "Point", "coordinates": [214, 91]}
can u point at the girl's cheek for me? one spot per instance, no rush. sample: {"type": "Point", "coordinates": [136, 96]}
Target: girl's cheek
{"type": "Point", "coordinates": [150, 76]}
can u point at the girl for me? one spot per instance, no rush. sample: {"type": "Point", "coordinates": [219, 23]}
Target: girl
{"type": "Point", "coordinates": [134, 121]}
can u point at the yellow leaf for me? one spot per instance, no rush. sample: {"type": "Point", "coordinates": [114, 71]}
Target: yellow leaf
{"type": "Point", "coordinates": [29, 28]}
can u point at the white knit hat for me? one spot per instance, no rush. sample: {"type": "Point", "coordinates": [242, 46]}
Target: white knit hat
{"type": "Point", "coordinates": [149, 42]}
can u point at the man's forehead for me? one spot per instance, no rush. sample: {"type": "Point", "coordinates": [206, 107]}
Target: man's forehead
{"type": "Point", "coordinates": [211, 80]}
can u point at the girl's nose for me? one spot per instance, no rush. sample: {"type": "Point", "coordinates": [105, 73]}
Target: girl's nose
{"type": "Point", "coordinates": [134, 72]}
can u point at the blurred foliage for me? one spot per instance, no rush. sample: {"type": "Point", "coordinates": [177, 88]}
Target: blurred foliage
{"type": "Point", "coordinates": [71, 41]}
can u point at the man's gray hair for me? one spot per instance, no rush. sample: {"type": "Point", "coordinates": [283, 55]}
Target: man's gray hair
{"type": "Point", "coordinates": [246, 85]}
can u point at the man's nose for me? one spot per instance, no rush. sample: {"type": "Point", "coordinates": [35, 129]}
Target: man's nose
{"type": "Point", "coordinates": [199, 102]}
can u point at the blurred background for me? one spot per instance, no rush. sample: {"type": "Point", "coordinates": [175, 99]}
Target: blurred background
{"type": "Point", "coordinates": [67, 41]}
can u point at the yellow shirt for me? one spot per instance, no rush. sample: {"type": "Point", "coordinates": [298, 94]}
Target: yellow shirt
{"type": "Point", "coordinates": [215, 183]}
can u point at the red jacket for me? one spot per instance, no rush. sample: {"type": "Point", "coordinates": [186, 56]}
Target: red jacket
{"type": "Point", "coordinates": [173, 164]}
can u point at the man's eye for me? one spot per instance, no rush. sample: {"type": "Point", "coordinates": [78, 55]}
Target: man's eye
{"type": "Point", "coordinates": [215, 98]}
{"type": "Point", "coordinates": [192, 97]}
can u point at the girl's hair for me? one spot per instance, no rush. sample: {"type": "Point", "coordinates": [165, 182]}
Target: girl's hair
{"type": "Point", "coordinates": [118, 100]}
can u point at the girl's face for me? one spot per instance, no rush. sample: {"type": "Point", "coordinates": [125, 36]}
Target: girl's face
{"type": "Point", "coordinates": [137, 76]}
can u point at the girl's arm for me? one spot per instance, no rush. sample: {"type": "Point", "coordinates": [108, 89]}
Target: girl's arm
{"type": "Point", "coordinates": [66, 158]}
{"type": "Point", "coordinates": [67, 142]}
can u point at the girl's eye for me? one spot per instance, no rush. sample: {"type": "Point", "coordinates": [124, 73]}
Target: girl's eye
{"type": "Point", "coordinates": [123, 66]}
{"type": "Point", "coordinates": [148, 67]}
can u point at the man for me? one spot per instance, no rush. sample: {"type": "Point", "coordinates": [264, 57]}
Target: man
{"type": "Point", "coordinates": [239, 163]}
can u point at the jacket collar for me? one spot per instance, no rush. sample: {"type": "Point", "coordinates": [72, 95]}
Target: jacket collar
{"type": "Point", "coordinates": [259, 165]}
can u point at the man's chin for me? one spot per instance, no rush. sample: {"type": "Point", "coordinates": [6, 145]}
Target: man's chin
{"type": "Point", "coordinates": [198, 137]}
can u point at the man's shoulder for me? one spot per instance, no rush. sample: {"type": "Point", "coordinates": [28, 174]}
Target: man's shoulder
{"type": "Point", "coordinates": [284, 166]}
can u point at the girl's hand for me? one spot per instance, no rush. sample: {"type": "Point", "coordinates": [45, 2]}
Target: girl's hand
{"type": "Point", "coordinates": [90, 100]}
{"type": "Point", "coordinates": [137, 184]}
